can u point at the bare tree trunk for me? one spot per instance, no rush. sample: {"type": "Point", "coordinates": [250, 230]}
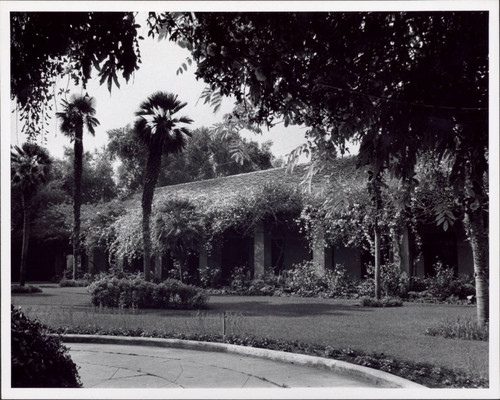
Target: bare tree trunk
{"type": "Point", "coordinates": [150, 178]}
{"type": "Point", "coordinates": [26, 235]}
{"type": "Point", "coordinates": [378, 289]}
{"type": "Point", "coordinates": [77, 198]}
{"type": "Point", "coordinates": [478, 233]}
{"type": "Point", "coordinates": [375, 188]}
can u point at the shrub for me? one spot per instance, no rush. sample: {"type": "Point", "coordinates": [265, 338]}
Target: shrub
{"type": "Point", "coordinates": [240, 279]}
{"type": "Point", "coordinates": [443, 284]}
{"type": "Point", "coordinates": [138, 293]}
{"type": "Point", "coordinates": [73, 282]}
{"type": "Point", "coordinates": [443, 287]}
{"type": "Point", "coordinates": [460, 329]}
{"type": "Point", "coordinates": [39, 359]}
{"type": "Point", "coordinates": [383, 302]}
{"type": "Point", "coordinates": [25, 289]}
{"type": "Point", "coordinates": [209, 277]}
{"type": "Point", "coordinates": [339, 283]}
{"type": "Point", "coordinates": [392, 281]}
{"type": "Point", "coordinates": [416, 284]}
{"type": "Point", "coordinates": [303, 280]}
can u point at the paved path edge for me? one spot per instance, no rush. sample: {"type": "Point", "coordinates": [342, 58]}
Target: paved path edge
{"type": "Point", "coordinates": [379, 378]}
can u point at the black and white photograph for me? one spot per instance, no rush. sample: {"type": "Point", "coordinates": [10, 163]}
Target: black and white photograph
{"type": "Point", "coordinates": [255, 199]}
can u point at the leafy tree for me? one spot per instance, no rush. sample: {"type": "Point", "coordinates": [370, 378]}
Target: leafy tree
{"type": "Point", "coordinates": [97, 175]}
{"type": "Point", "coordinates": [400, 83]}
{"type": "Point", "coordinates": [207, 155]}
{"type": "Point", "coordinates": [48, 45]}
{"type": "Point", "coordinates": [79, 111]}
{"type": "Point", "coordinates": [159, 131]}
{"type": "Point", "coordinates": [30, 166]}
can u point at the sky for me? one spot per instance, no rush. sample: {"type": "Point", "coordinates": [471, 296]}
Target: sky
{"type": "Point", "coordinates": [158, 71]}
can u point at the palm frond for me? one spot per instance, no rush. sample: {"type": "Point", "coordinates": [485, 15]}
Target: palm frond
{"type": "Point", "coordinates": [156, 126]}
{"type": "Point", "coordinates": [79, 110]}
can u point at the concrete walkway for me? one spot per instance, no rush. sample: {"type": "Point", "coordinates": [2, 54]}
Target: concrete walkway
{"type": "Point", "coordinates": [132, 366]}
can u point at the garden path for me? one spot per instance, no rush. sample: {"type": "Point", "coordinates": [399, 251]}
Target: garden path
{"type": "Point", "coordinates": [119, 366]}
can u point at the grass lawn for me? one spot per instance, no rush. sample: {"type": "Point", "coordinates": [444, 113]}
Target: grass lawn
{"type": "Point", "coordinates": [396, 332]}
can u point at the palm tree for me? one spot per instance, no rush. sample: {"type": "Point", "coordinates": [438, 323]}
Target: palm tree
{"type": "Point", "coordinates": [77, 113]}
{"type": "Point", "coordinates": [178, 229]}
{"type": "Point", "coordinates": [158, 130]}
{"type": "Point", "coordinates": [30, 166]}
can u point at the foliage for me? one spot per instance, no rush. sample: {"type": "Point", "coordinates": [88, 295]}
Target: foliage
{"type": "Point", "coordinates": [138, 293]}
{"type": "Point", "coordinates": [178, 229]}
{"type": "Point", "coordinates": [161, 133]}
{"type": "Point", "coordinates": [64, 282]}
{"type": "Point", "coordinates": [207, 155]}
{"type": "Point", "coordinates": [209, 277]}
{"type": "Point", "coordinates": [273, 201]}
{"type": "Point", "coordinates": [97, 176]}
{"type": "Point", "coordinates": [97, 227]}
{"type": "Point", "coordinates": [398, 83]}
{"type": "Point", "coordinates": [304, 280]}
{"type": "Point", "coordinates": [460, 329]}
{"type": "Point", "coordinates": [48, 45]}
{"type": "Point", "coordinates": [39, 359]}
{"type": "Point", "coordinates": [393, 282]}
{"type": "Point", "coordinates": [77, 113]}
{"type": "Point", "coordinates": [443, 284]}
{"type": "Point", "coordinates": [316, 69]}
{"type": "Point", "coordinates": [382, 302]}
{"type": "Point", "coordinates": [25, 289]}
{"type": "Point", "coordinates": [30, 166]}
{"type": "Point", "coordinates": [240, 279]}
{"type": "Point", "coordinates": [425, 374]}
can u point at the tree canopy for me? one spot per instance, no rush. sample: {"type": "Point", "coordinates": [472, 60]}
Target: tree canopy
{"type": "Point", "coordinates": [205, 156]}
{"type": "Point", "coordinates": [385, 79]}
{"type": "Point", "coordinates": [48, 45]}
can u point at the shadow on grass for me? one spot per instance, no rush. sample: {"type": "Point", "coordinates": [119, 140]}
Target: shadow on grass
{"type": "Point", "coordinates": [263, 308]}
{"type": "Point", "coordinates": [260, 308]}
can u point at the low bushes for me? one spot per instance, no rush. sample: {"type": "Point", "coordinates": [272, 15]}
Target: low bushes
{"type": "Point", "coordinates": [137, 293]}
{"type": "Point", "coordinates": [73, 282]}
{"type": "Point", "coordinates": [303, 281]}
{"type": "Point", "coordinates": [383, 302]}
{"type": "Point", "coordinates": [460, 329]}
{"type": "Point", "coordinates": [25, 289]}
{"type": "Point", "coordinates": [39, 359]}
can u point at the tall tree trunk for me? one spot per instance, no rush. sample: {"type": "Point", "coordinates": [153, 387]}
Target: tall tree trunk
{"type": "Point", "coordinates": [478, 234]}
{"type": "Point", "coordinates": [77, 198]}
{"type": "Point", "coordinates": [26, 235]}
{"type": "Point", "coordinates": [378, 289]}
{"type": "Point", "coordinates": [153, 165]}
{"type": "Point", "coordinates": [375, 186]}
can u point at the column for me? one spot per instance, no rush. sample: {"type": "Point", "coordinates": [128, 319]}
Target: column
{"type": "Point", "coordinates": [203, 258]}
{"type": "Point", "coordinates": [401, 250]}
{"type": "Point", "coordinates": [319, 257]}
{"type": "Point", "coordinates": [158, 266]}
{"type": "Point", "coordinates": [261, 251]}
{"type": "Point", "coordinates": [404, 253]}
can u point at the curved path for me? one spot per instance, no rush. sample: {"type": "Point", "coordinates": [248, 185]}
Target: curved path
{"type": "Point", "coordinates": [118, 366]}
{"type": "Point", "coordinates": [117, 362]}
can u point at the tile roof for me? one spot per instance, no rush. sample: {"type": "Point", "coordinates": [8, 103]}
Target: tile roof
{"type": "Point", "coordinates": [227, 188]}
